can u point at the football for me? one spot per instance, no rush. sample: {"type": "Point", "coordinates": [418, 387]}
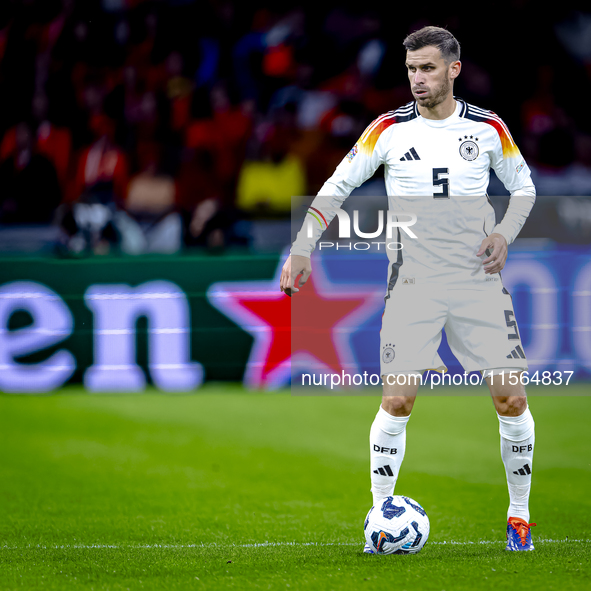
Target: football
{"type": "Point", "coordinates": [397, 525]}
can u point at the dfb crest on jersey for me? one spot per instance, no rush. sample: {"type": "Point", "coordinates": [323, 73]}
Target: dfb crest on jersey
{"type": "Point", "coordinates": [469, 149]}
{"type": "Point", "coordinates": [388, 353]}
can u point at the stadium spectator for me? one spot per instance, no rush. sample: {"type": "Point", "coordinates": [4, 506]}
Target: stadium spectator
{"type": "Point", "coordinates": [150, 221]}
{"type": "Point", "coordinates": [267, 184]}
{"type": "Point", "coordinates": [53, 141]}
{"type": "Point", "coordinates": [223, 128]}
{"type": "Point", "coordinates": [30, 188]}
{"type": "Point", "coordinates": [198, 78]}
{"type": "Point", "coordinates": [209, 220]}
{"type": "Point", "coordinates": [102, 170]}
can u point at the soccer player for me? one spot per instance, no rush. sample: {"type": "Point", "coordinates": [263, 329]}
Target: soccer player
{"type": "Point", "coordinates": [437, 152]}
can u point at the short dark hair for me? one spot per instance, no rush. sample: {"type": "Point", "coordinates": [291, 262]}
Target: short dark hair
{"type": "Point", "coordinates": [437, 37]}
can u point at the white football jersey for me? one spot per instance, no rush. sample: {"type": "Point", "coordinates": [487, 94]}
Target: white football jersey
{"type": "Point", "coordinates": [437, 170]}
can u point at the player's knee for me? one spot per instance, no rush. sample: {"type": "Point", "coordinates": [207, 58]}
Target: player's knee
{"type": "Point", "coordinates": [510, 406]}
{"type": "Point", "coordinates": [398, 406]}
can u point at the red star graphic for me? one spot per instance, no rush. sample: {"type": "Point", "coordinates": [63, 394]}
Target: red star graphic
{"type": "Point", "coordinates": [303, 323]}
{"type": "Point", "coordinates": [310, 330]}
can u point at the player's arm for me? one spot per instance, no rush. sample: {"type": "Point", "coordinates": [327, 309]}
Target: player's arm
{"type": "Point", "coordinates": [510, 167]}
{"type": "Point", "coordinates": [358, 165]}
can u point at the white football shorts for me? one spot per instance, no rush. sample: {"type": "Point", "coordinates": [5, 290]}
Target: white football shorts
{"type": "Point", "coordinates": [479, 324]}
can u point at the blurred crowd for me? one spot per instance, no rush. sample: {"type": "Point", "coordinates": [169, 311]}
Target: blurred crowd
{"type": "Point", "coordinates": [158, 125]}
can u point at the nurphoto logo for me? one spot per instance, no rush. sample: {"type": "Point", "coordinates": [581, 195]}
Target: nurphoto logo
{"type": "Point", "coordinates": [391, 220]}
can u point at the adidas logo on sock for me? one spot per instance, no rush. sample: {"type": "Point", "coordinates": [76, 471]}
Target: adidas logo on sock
{"type": "Point", "coordinates": [523, 471]}
{"type": "Point", "coordinates": [411, 155]}
{"type": "Point", "coordinates": [384, 471]}
{"type": "Point", "coordinates": [516, 353]}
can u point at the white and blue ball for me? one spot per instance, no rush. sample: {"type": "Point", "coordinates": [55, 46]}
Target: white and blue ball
{"type": "Point", "coordinates": [396, 525]}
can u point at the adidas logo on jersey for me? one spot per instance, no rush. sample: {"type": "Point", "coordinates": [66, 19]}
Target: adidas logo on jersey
{"type": "Point", "coordinates": [411, 155]}
{"type": "Point", "coordinates": [523, 471]}
{"type": "Point", "coordinates": [516, 353]}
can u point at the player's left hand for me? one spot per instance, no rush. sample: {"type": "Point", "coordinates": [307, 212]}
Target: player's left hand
{"type": "Point", "coordinates": [498, 257]}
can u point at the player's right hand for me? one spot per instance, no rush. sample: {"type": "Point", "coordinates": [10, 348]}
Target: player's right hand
{"type": "Point", "coordinates": [295, 265]}
{"type": "Point", "coordinates": [496, 245]}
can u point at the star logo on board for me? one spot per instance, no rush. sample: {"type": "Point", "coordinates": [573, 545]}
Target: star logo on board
{"type": "Point", "coordinates": [309, 332]}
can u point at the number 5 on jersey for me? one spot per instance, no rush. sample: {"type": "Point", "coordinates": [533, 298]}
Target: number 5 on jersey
{"type": "Point", "coordinates": [441, 179]}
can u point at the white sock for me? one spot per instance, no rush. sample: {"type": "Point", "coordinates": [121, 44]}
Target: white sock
{"type": "Point", "coordinates": [517, 452]}
{"type": "Point", "coordinates": [387, 442]}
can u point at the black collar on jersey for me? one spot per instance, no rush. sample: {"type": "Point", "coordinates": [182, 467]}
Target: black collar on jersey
{"type": "Point", "coordinates": [407, 112]}
{"type": "Point", "coordinates": [414, 113]}
{"type": "Point", "coordinates": [464, 105]}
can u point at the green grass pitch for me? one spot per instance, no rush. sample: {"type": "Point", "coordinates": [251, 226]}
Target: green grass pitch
{"type": "Point", "coordinates": [229, 489]}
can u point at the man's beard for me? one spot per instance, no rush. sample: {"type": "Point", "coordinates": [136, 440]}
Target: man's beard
{"type": "Point", "coordinates": [439, 96]}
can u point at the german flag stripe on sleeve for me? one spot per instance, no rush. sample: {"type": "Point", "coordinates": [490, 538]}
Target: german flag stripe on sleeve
{"type": "Point", "coordinates": [316, 213]}
{"type": "Point", "coordinates": [510, 149]}
{"type": "Point", "coordinates": [367, 141]}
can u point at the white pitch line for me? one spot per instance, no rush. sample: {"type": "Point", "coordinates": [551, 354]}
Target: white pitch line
{"type": "Point", "coordinates": [261, 545]}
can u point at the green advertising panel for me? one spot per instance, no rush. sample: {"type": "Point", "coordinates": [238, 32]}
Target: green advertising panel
{"type": "Point", "coordinates": [117, 324]}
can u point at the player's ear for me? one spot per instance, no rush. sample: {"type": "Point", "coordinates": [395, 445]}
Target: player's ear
{"type": "Point", "coordinates": [454, 69]}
